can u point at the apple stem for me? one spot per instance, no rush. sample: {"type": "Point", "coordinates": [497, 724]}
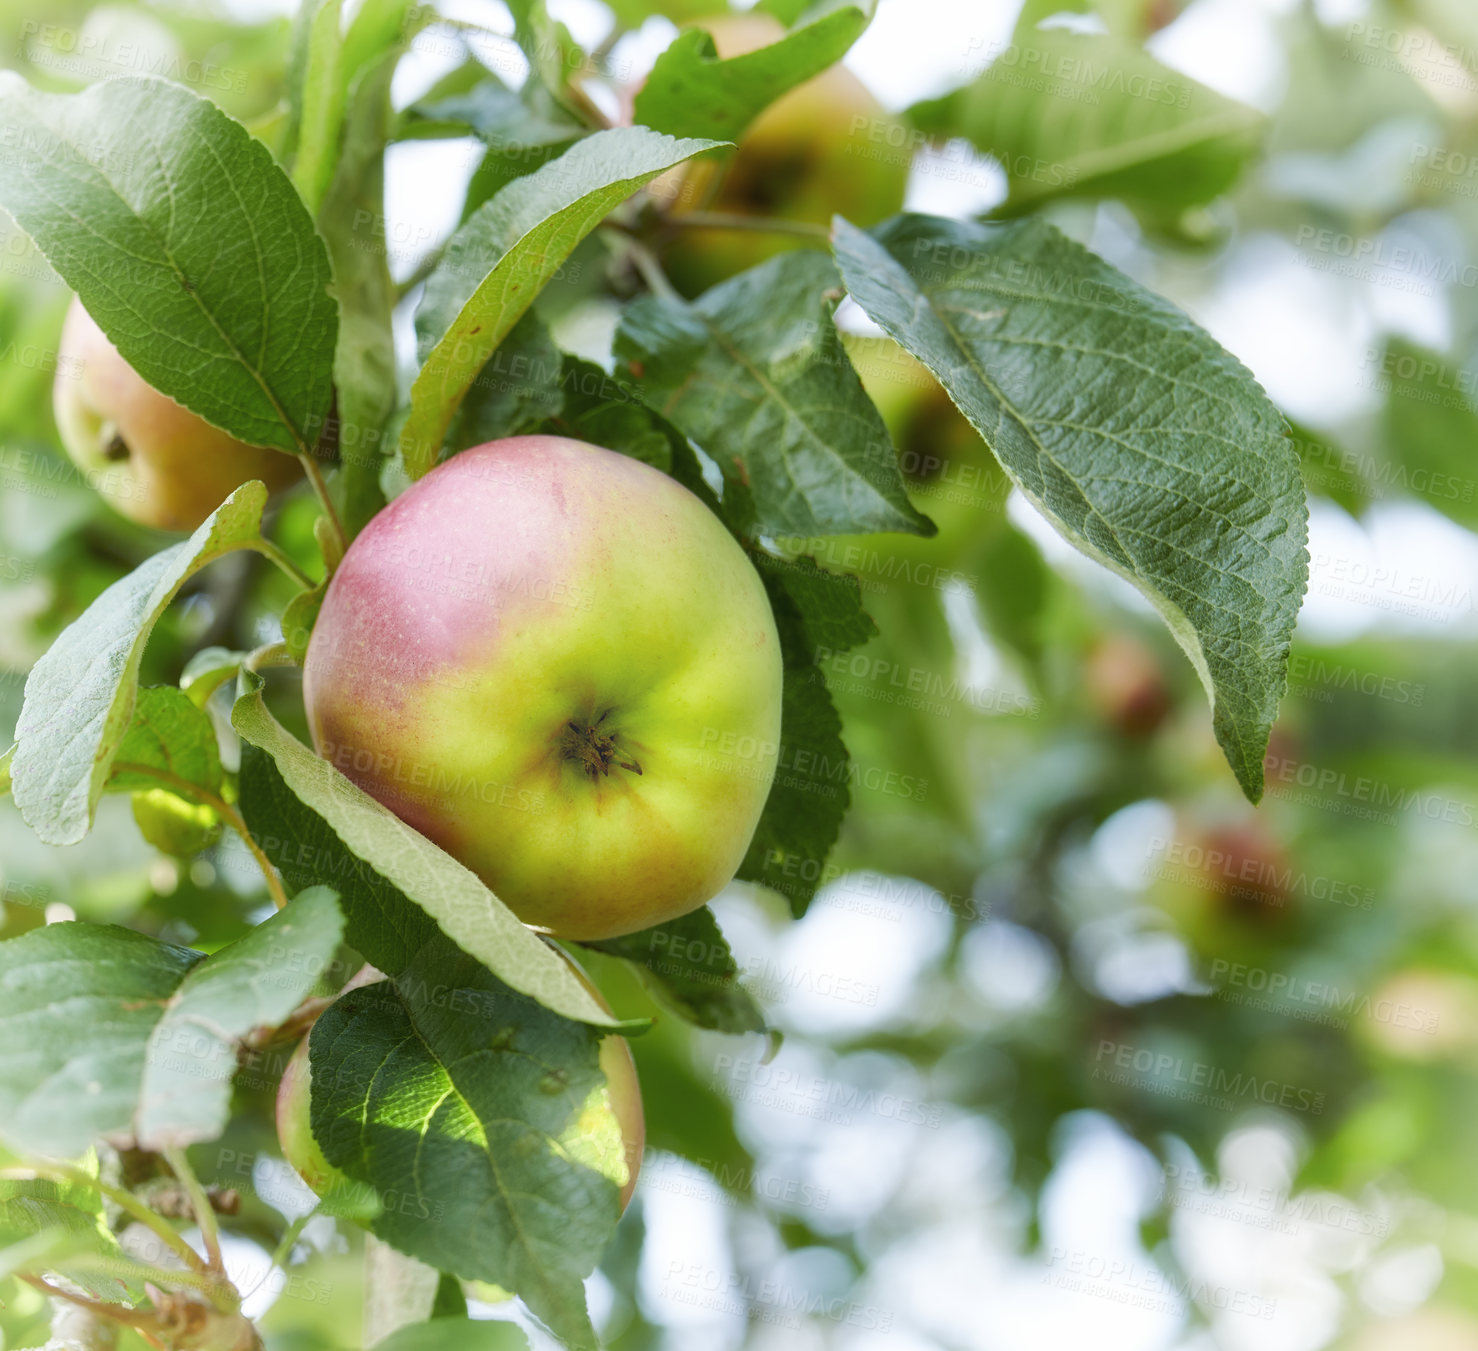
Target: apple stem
{"type": "Point", "coordinates": [233, 818]}
{"type": "Point", "coordinates": [205, 1215]}
{"type": "Point", "coordinates": [651, 271]}
{"type": "Point", "coordinates": [325, 500]}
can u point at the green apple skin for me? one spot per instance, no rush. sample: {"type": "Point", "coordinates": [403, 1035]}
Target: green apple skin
{"type": "Point", "coordinates": [152, 460]}
{"type": "Point", "coordinates": [555, 662]}
{"type": "Point", "coordinates": [821, 149]}
{"type": "Point", "coordinates": [294, 1133]}
{"type": "Point", "coordinates": [301, 1149]}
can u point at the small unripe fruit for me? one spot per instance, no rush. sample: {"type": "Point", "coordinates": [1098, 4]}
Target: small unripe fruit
{"type": "Point", "coordinates": [150, 458]}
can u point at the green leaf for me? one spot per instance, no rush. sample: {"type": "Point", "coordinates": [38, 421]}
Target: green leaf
{"type": "Point", "coordinates": [298, 619]}
{"type": "Point", "coordinates": [171, 739]}
{"type": "Point", "coordinates": [1089, 115]}
{"type": "Point", "coordinates": [187, 243]}
{"type": "Point", "coordinates": [381, 922]}
{"type": "Point", "coordinates": [690, 92]}
{"type": "Point", "coordinates": [787, 11]}
{"type": "Point", "coordinates": [80, 696]}
{"type": "Point", "coordinates": [500, 117]}
{"type": "Point", "coordinates": [364, 358]}
{"type": "Point", "coordinates": [633, 13]}
{"type": "Point", "coordinates": [1147, 446]}
{"type": "Point", "coordinates": [456, 1334]}
{"type": "Point", "coordinates": [816, 613]}
{"type": "Point", "coordinates": [688, 962]}
{"type": "Point", "coordinates": [1429, 428]}
{"type": "Point", "coordinates": [254, 982]}
{"type": "Point", "coordinates": [72, 1215]}
{"type": "Point", "coordinates": [1332, 471]}
{"type": "Point", "coordinates": [755, 372]}
{"type": "Point", "coordinates": [321, 100]}
{"type": "Point", "coordinates": [497, 263]}
{"type": "Point", "coordinates": [62, 1090]}
{"type": "Point", "coordinates": [162, 1026]}
{"type": "Point", "coordinates": [603, 410]}
{"type": "Point", "coordinates": [486, 1117]}
{"type": "Point", "coordinates": [173, 824]}
{"type": "Point", "coordinates": [553, 54]}
{"type": "Point", "coordinates": [453, 897]}
{"type": "Point", "coordinates": [207, 671]}
{"type": "Point", "coordinates": [520, 386]}
{"type": "Point", "coordinates": [522, 130]}
{"type": "Point", "coordinates": [378, 29]}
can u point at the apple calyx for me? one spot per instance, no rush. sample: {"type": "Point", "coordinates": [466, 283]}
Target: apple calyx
{"type": "Point", "coordinates": [114, 446]}
{"type": "Point", "coordinates": [593, 749]}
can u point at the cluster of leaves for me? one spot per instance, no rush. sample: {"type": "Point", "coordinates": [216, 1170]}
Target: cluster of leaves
{"type": "Point", "coordinates": [236, 276]}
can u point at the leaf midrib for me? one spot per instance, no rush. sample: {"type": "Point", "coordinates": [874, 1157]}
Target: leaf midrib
{"type": "Point", "coordinates": [185, 285]}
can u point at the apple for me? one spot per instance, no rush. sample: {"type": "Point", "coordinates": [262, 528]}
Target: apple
{"type": "Point", "coordinates": [294, 1132]}
{"type": "Point", "coordinates": [826, 147]}
{"type": "Point", "coordinates": [1125, 685]}
{"type": "Point", "coordinates": [555, 662]}
{"type": "Point", "coordinates": [153, 460]}
{"type": "Point", "coordinates": [302, 1150]}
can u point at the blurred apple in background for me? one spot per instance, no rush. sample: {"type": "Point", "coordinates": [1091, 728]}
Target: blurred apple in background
{"type": "Point", "coordinates": [152, 460]}
{"type": "Point", "coordinates": [820, 150]}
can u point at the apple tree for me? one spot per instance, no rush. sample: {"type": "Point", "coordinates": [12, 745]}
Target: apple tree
{"type": "Point", "coordinates": [705, 276]}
